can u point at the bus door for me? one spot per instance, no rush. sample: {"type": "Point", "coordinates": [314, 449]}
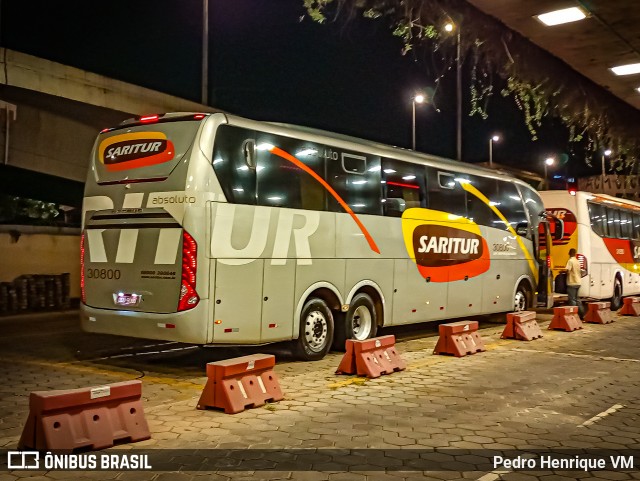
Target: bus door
{"type": "Point", "coordinates": [549, 229]}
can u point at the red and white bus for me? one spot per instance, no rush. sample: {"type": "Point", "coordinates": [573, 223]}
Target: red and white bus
{"type": "Point", "coordinates": [605, 231]}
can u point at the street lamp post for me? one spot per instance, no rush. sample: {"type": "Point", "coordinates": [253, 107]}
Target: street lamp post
{"type": "Point", "coordinates": [606, 153]}
{"type": "Point", "coordinates": [417, 99]}
{"type": "Point", "coordinates": [205, 53]}
{"type": "Point", "coordinates": [548, 162]}
{"type": "Point", "coordinates": [449, 27]}
{"type": "Point", "coordinates": [494, 138]}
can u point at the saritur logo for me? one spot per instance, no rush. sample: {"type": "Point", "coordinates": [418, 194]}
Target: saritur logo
{"type": "Point", "coordinates": [135, 150]}
{"type": "Point", "coordinates": [445, 247]}
{"type": "Point", "coordinates": [437, 246]}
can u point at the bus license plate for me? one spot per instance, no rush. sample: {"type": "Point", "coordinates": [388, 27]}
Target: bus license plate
{"type": "Point", "coordinates": [122, 299]}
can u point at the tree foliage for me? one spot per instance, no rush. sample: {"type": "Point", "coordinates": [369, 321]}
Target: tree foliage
{"type": "Point", "coordinates": [502, 61]}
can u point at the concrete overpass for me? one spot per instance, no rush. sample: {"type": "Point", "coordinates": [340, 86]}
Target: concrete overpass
{"type": "Point", "coordinates": [51, 113]}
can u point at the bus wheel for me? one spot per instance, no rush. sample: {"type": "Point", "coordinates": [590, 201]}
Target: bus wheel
{"type": "Point", "coordinates": [520, 299]}
{"type": "Point", "coordinates": [316, 331]}
{"type": "Point", "coordinates": [616, 300]}
{"type": "Point", "coordinates": [360, 321]}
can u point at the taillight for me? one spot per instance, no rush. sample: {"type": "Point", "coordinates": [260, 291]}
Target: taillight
{"type": "Point", "coordinates": [584, 266]}
{"type": "Point", "coordinates": [82, 292]}
{"type": "Point", "coordinates": [149, 119]}
{"type": "Point", "coordinates": [548, 261]}
{"type": "Point", "coordinates": [188, 295]}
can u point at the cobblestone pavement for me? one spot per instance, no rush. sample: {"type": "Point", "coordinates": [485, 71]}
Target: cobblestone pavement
{"type": "Point", "coordinates": [516, 396]}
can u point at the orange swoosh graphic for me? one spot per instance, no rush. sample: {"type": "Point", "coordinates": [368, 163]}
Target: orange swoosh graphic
{"type": "Point", "coordinates": [285, 155]}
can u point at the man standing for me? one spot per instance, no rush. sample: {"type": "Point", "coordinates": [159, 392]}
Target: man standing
{"type": "Point", "coordinates": [573, 281]}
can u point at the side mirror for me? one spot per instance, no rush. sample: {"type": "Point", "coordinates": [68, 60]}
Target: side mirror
{"type": "Point", "coordinates": [249, 151]}
{"type": "Point", "coordinates": [522, 229]}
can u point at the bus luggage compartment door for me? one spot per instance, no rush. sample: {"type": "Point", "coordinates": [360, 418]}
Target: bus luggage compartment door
{"type": "Point", "coordinates": [237, 302]}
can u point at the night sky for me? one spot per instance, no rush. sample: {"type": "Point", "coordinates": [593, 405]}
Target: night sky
{"type": "Point", "coordinates": [267, 64]}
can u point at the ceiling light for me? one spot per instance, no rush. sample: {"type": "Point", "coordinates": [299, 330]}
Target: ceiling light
{"type": "Point", "coordinates": [558, 17]}
{"type": "Point", "coordinates": [628, 69]}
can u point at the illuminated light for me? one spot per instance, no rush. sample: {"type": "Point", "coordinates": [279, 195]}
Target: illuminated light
{"type": "Point", "coordinates": [608, 152]}
{"type": "Point", "coordinates": [217, 161]}
{"type": "Point", "coordinates": [572, 191]}
{"type": "Point", "coordinates": [409, 177]}
{"type": "Point", "coordinates": [265, 146]}
{"type": "Point", "coordinates": [451, 184]}
{"type": "Point", "coordinates": [629, 69]}
{"type": "Point", "coordinates": [448, 27]}
{"type": "Point", "coordinates": [199, 116]}
{"type": "Point", "coordinates": [496, 138]}
{"type": "Point", "coordinates": [217, 321]}
{"type": "Point", "coordinates": [558, 17]}
{"type": "Point", "coordinates": [375, 169]}
{"type": "Point", "coordinates": [389, 171]}
{"type": "Point", "coordinates": [462, 181]}
{"type": "Point", "coordinates": [383, 181]}
{"type": "Point", "coordinates": [105, 130]}
{"type": "Point", "coordinates": [359, 182]}
{"type": "Point", "coordinates": [419, 98]}
{"type": "Point", "coordinates": [120, 294]}
{"type": "Point", "coordinates": [358, 205]}
{"type": "Point", "coordinates": [549, 161]}
{"type": "Point", "coordinates": [383, 200]}
{"type": "Point", "coordinates": [306, 152]}
{"type": "Point", "coordinates": [400, 184]}
{"type": "Point", "coordinates": [638, 89]}
{"type": "Point", "coordinates": [147, 119]}
{"type": "Point", "coordinates": [188, 295]}
{"type": "Point", "coordinates": [274, 198]}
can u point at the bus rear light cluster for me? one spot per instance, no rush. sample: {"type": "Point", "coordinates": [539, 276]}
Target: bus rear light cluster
{"type": "Point", "coordinates": [188, 295]}
{"type": "Point", "coordinates": [584, 266]}
{"type": "Point", "coordinates": [83, 296]}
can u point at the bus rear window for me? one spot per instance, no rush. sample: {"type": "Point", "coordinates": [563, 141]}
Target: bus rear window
{"type": "Point", "coordinates": [144, 152]}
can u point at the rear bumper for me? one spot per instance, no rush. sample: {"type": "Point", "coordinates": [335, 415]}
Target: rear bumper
{"type": "Point", "coordinates": [190, 326]}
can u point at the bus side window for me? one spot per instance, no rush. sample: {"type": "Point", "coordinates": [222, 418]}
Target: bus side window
{"type": "Point", "coordinates": [636, 226]}
{"type": "Point", "coordinates": [360, 187]}
{"type": "Point", "coordinates": [626, 229]}
{"type": "Point", "coordinates": [281, 183]}
{"type": "Point", "coordinates": [237, 180]}
{"type": "Point", "coordinates": [598, 217]}
{"type": "Point", "coordinates": [403, 186]}
{"type": "Point", "coordinates": [613, 221]}
{"type": "Point", "coordinates": [477, 210]}
{"type": "Point", "coordinates": [445, 193]}
{"type": "Point", "coordinates": [512, 208]}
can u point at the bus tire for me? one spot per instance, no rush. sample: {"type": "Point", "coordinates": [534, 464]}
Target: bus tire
{"type": "Point", "coordinates": [359, 322]}
{"type": "Point", "coordinates": [616, 300]}
{"type": "Point", "coordinates": [520, 299]}
{"type": "Point", "coordinates": [316, 331]}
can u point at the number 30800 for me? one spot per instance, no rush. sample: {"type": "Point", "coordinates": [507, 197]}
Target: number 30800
{"type": "Point", "coordinates": [103, 273]}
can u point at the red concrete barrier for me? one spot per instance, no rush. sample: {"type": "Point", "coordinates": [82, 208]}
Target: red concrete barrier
{"type": "Point", "coordinates": [371, 357]}
{"type": "Point", "coordinates": [566, 318]}
{"type": "Point", "coordinates": [240, 383]}
{"type": "Point", "coordinates": [85, 419]}
{"type": "Point", "coordinates": [459, 339]}
{"type": "Point", "coordinates": [599, 313]}
{"type": "Point", "coordinates": [630, 306]}
{"type": "Point", "coordinates": [522, 326]}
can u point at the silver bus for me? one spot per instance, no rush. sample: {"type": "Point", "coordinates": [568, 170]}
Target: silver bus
{"type": "Point", "coordinates": [215, 229]}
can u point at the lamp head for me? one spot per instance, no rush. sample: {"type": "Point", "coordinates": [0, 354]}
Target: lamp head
{"type": "Point", "coordinates": [419, 98]}
{"type": "Point", "coordinates": [496, 138]}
